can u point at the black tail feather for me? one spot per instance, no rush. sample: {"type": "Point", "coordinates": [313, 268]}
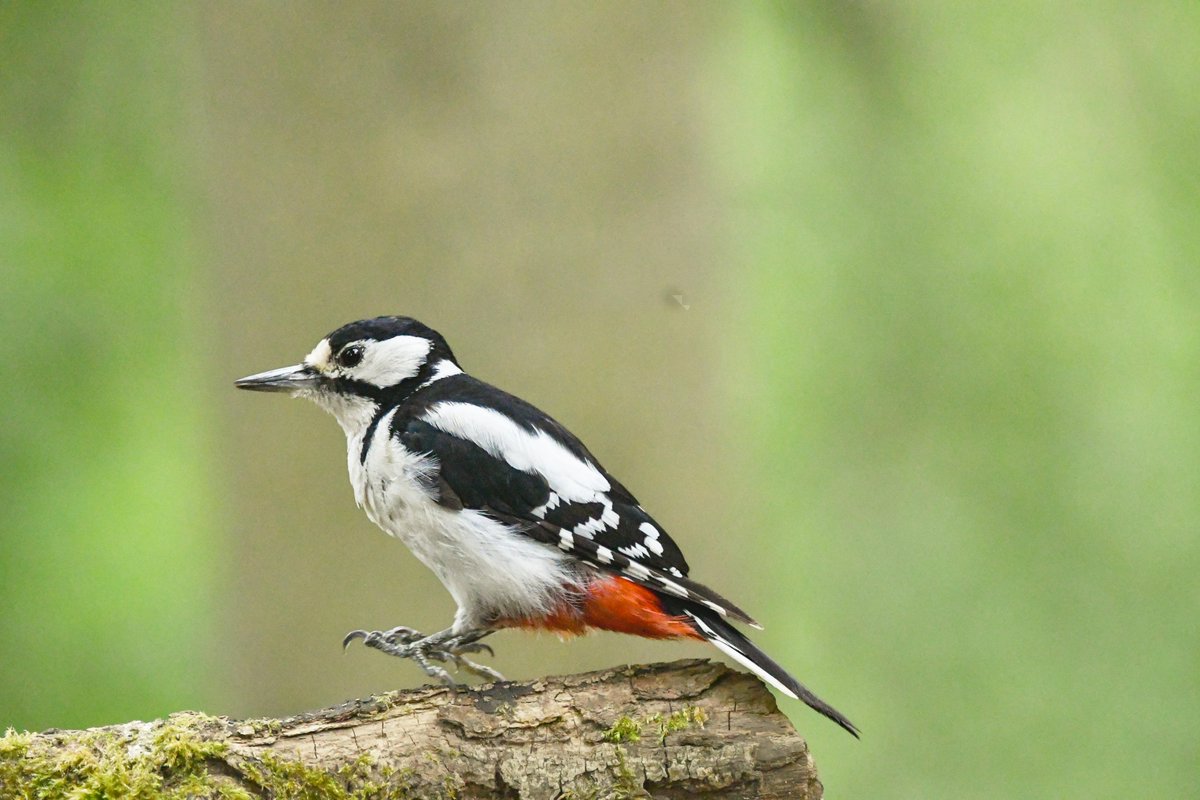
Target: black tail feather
{"type": "Point", "coordinates": [733, 643]}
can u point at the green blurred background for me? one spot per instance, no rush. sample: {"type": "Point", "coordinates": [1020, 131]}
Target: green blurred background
{"type": "Point", "coordinates": [925, 404]}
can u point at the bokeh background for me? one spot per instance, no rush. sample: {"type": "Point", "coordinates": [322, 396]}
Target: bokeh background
{"type": "Point", "coordinates": [889, 312]}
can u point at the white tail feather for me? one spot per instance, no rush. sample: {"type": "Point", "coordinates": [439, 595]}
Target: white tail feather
{"type": "Point", "coordinates": [738, 656]}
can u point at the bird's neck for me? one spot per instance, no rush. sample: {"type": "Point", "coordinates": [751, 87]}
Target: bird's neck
{"type": "Point", "coordinates": [352, 412]}
{"type": "Point", "coordinates": [356, 412]}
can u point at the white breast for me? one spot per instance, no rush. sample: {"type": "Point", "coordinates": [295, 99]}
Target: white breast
{"type": "Point", "coordinates": [489, 570]}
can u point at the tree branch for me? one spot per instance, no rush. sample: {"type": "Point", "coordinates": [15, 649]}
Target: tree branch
{"type": "Point", "coordinates": [689, 729]}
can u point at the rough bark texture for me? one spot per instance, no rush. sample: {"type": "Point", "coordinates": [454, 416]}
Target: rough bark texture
{"type": "Point", "coordinates": [689, 729]}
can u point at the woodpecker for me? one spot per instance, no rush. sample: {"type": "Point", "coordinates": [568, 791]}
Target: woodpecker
{"type": "Point", "coordinates": [506, 506]}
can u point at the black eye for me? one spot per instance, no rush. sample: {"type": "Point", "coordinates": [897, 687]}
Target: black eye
{"type": "Point", "coordinates": [350, 356]}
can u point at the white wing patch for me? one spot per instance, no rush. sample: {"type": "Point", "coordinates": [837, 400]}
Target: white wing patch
{"type": "Point", "coordinates": [608, 519]}
{"type": "Point", "coordinates": [637, 571]}
{"type": "Point", "coordinates": [652, 543]}
{"type": "Point", "coordinates": [572, 478]}
{"type": "Point", "coordinates": [550, 504]}
{"type": "Point", "coordinates": [634, 551]}
{"type": "Point", "coordinates": [674, 588]}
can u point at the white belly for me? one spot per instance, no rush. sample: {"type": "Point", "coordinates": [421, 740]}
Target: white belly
{"type": "Point", "coordinates": [490, 571]}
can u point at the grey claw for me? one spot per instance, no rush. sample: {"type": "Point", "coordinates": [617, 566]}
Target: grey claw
{"type": "Point", "coordinates": [476, 647]}
{"type": "Point", "coordinates": [351, 636]}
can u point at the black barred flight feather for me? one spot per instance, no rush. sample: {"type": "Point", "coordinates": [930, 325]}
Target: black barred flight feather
{"type": "Point", "coordinates": [609, 531]}
{"type": "Point", "coordinates": [598, 555]}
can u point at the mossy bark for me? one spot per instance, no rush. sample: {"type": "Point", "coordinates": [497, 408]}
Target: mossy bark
{"type": "Point", "coordinates": [690, 729]}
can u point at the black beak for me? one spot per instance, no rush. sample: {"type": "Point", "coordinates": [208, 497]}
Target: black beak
{"type": "Point", "coordinates": [287, 379]}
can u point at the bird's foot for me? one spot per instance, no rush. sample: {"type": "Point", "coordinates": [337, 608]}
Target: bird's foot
{"type": "Point", "coordinates": [404, 642]}
{"type": "Point", "coordinates": [398, 636]}
{"type": "Point", "coordinates": [458, 646]}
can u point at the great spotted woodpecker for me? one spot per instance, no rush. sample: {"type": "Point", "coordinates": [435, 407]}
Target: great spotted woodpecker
{"type": "Point", "coordinates": [507, 507]}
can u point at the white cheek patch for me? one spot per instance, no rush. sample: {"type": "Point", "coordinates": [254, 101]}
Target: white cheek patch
{"type": "Point", "coordinates": [320, 356]}
{"type": "Point", "coordinates": [391, 361]}
{"type": "Point", "coordinates": [571, 478]}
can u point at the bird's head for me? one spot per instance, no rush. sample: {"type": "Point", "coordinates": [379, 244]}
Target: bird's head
{"type": "Point", "coordinates": [361, 366]}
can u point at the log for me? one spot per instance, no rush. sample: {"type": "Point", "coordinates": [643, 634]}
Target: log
{"type": "Point", "coordinates": [689, 729]}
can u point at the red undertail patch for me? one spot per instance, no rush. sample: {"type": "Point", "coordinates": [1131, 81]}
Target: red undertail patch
{"type": "Point", "coordinates": [614, 604]}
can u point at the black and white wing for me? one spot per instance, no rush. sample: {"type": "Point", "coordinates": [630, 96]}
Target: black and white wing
{"type": "Point", "coordinates": [500, 455]}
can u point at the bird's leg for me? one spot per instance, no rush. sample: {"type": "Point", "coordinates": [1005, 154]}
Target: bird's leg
{"type": "Point", "coordinates": [443, 646]}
